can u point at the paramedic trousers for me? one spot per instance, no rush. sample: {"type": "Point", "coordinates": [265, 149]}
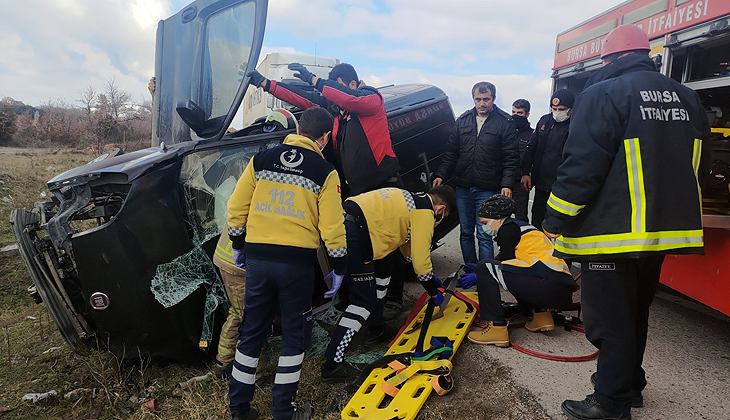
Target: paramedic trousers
{"type": "Point", "coordinates": [535, 292]}
{"type": "Point", "coordinates": [615, 297]}
{"type": "Point", "coordinates": [367, 283]}
{"type": "Point", "coordinates": [290, 285]}
{"type": "Point", "coordinates": [235, 285]}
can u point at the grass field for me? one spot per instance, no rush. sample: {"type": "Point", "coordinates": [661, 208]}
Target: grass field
{"type": "Point", "coordinates": [35, 359]}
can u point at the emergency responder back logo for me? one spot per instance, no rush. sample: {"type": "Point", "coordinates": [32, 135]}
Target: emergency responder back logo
{"type": "Point", "coordinates": [291, 158]}
{"type": "Point", "coordinates": [602, 266]}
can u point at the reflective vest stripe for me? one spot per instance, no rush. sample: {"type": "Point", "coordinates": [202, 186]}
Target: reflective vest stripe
{"type": "Point", "coordinates": [630, 242]}
{"type": "Point", "coordinates": [562, 206]}
{"type": "Point", "coordinates": [696, 155]}
{"type": "Point", "coordinates": [226, 254]}
{"type": "Point", "coordinates": [636, 185]}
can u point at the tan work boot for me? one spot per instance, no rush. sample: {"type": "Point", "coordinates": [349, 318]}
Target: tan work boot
{"type": "Point", "coordinates": [490, 334]}
{"type": "Point", "coordinates": [541, 321]}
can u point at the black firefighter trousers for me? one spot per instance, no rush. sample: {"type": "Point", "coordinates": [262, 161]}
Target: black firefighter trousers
{"type": "Point", "coordinates": [615, 296]}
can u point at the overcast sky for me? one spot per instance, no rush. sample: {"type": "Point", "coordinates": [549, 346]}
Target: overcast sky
{"type": "Point", "coordinates": [53, 49]}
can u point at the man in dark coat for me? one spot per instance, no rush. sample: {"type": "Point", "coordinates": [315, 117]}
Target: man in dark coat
{"type": "Point", "coordinates": [544, 152]}
{"type": "Point", "coordinates": [520, 114]}
{"type": "Point", "coordinates": [483, 155]}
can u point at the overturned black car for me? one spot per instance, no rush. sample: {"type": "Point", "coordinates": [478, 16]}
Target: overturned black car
{"type": "Point", "coordinates": [122, 255]}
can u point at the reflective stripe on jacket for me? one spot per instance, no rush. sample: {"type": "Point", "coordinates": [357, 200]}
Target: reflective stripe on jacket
{"type": "Point", "coordinates": [287, 198]}
{"type": "Point", "coordinates": [534, 248]}
{"type": "Point", "coordinates": [630, 181]}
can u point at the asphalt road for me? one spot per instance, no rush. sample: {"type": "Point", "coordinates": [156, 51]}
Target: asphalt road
{"type": "Point", "coordinates": [687, 357]}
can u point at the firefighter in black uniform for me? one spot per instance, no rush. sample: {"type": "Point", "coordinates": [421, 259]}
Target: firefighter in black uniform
{"type": "Point", "coordinates": [286, 199]}
{"type": "Point", "coordinates": [627, 194]}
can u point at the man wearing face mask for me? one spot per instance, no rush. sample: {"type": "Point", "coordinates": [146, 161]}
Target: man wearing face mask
{"type": "Point", "coordinates": [544, 152]}
{"type": "Point", "coordinates": [520, 114]}
{"type": "Point", "coordinates": [287, 198]}
{"type": "Point", "coordinates": [483, 155]}
{"type": "Point", "coordinates": [525, 267]}
{"type": "Point", "coordinates": [377, 224]}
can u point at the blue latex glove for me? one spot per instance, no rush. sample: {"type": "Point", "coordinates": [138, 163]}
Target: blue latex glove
{"type": "Point", "coordinates": [467, 280]}
{"type": "Point", "coordinates": [469, 267]}
{"type": "Point", "coordinates": [239, 258]}
{"type": "Point", "coordinates": [438, 299]}
{"type": "Point", "coordinates": [302, 72]}
{"type": "Point", "coordinates": [255, 78]}
{"type": "Point", "coordinates": [438, 281]}
{"type": "Point", "coordinates": [336, 283]}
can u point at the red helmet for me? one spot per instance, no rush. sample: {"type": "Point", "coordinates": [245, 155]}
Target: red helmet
{"type": "Point", "coordinates": [625, 38]}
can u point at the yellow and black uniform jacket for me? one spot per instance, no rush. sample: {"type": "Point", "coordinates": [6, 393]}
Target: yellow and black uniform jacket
{"type": "Point", "coordinates": [400, 219]}
{"type": "Point", "coordinates": [287, 198]}
{"type": "Point", "coordinates": [523, 249]}
{"type": "Point", "coordinates": [223, 255]}
{"type": "Point", "coordinates": [629, 184]}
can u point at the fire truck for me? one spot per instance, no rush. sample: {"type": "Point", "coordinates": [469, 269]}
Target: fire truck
{"type": "Point", "coordinates": [690, 42]}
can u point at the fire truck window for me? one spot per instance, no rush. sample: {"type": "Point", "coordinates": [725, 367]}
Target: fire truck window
{"type": "Point", "coordinates": [711, 60]}
{"type": "Point", "coordinates": [679, 61]}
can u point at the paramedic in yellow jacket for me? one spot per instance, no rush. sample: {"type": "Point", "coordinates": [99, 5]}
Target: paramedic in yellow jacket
{"type": "Point", "coordinates": [525, 267]}
{"type": "Point", "coordinates": [377, 223]}
{"type": "Point", "coordinates": [287, 198]}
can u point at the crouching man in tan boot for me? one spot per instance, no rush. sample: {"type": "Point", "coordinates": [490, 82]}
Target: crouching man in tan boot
{"type": "Point", "coordinates": [525, 267]}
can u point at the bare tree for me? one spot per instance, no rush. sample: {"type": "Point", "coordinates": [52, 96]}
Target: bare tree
{"type": "Point", "coordinates": [118, 99]}
{"type": "Point", "coordinates": [87, 102]}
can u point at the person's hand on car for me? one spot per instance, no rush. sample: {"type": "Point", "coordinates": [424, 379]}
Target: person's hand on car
{"type": "Point", "coordinates": [256, 79]}
{"type": "Point", "coordinates": [301, 72]}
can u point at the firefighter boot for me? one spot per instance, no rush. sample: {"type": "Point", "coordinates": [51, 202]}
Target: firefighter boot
{"type": "Point", "coordinates": [541, 321]}
{"type": "Point", "coordinates": [490, 334]}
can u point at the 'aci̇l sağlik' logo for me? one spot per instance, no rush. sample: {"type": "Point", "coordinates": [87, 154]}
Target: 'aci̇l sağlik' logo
{"type": "Point", "coordinates": [291, 158]}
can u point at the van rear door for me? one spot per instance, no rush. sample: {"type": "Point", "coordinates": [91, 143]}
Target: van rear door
{"type": "Point", "coordinates": [202, 56]}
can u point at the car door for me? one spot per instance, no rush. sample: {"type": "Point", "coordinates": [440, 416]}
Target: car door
{"type": "Point", "coordinates": [202, 56]}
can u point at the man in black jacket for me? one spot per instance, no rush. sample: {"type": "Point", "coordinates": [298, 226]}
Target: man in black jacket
{"type": "Point", "coordinates": [483, 155]}
{"type": "Point", "coordinates": [520, 114]}
{"type": "Point", "coordinates": [544, 152]}
{"type": "Point", "coordinates": [627, 194]}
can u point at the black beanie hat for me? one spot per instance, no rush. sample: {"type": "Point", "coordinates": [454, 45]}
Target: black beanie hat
{"type": "Point", "coordinates": [562, 97]}
{"type": "Point", "coordinates": [497, 206]}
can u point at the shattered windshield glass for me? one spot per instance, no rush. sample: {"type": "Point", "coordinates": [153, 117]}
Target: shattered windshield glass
{"type": "Point", "coordinates": [208, 179]}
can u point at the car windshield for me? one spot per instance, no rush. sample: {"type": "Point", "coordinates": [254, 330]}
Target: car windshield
{"type": "Point", "coordinates": [229, 38]}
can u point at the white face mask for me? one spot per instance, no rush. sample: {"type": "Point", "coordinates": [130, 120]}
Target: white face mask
{"type": "Point", "coordinates": [491, 230]}
{"type": "Point", "coordinates": [561, 116]}
{"type": "Point", "coordinates": [439, 219]}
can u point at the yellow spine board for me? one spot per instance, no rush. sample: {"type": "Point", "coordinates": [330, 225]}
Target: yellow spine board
{"type": "Point", "coordinates": [370, 402]}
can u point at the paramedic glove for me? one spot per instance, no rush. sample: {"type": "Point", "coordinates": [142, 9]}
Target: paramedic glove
{"type": "Point", "coordinates": [469, 267]}
{"type": "Point", "coordinates": [467, 280]}
{"type": "Point", "coordinates": [302, 72]}
{"type": "Point", "coordinates": [438, 299]}
{"type": "Point", "coordinates": [438, 281]}
{"type": "Point", "coordinates": [336, 283]}
{"type": "Point", "coordinates": [257, 79]}
{"type": "Point", "coordinates": [239, 258]}
{"type": "Point", "coordinates": [550, 231]}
